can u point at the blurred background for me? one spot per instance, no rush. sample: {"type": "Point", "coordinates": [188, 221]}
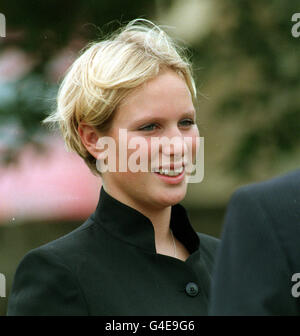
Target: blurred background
{"type": "Point", "coordinates": [247, 69]}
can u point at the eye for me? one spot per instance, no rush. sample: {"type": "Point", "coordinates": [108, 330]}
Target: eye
{"type": "Point", "coordinates": [149, 127]}
{"type": "Point", "coordinates": [187, 122]}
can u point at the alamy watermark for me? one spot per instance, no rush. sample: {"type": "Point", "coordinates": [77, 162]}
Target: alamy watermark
{"type": "Point", "coordinates": [296, 287]}
{"type": "Point", "coordinates": [296, 27]}
{"type": "Point", "coordinates": [151, 155]}
{"type": "Point", "coordinates": [2, 25]}
{"type": "Point", "coordinates": [2, 286]}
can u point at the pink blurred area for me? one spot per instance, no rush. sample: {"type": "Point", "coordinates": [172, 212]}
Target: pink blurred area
{"type": "Point", "coordinates": [54, 185]}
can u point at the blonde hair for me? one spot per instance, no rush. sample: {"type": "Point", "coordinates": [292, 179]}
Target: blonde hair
{"type": "Point", "coordinates": [106, 72]}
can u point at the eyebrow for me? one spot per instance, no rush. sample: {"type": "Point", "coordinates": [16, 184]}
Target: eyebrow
{"type": "Point", "coordinates": [150, 118]}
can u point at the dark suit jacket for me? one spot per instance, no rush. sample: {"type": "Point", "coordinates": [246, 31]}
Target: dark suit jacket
{"type": "Point", "coordinates": [259, 250]}
{"type": "Point", "coordinates": [109, 266]}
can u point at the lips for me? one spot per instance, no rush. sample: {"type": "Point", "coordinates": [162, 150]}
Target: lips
{"type": "Point", "coordinates": [171, 179]}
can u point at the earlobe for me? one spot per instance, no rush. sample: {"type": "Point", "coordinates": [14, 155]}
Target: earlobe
{"type": "Point", "coordinates": [101, 155]}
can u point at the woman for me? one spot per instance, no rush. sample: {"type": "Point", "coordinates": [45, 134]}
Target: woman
{"type": "Point", "coordinates": [137, 254]}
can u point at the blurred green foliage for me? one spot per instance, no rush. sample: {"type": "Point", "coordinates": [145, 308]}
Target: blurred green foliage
{"type": "Point", "coordinates": [253, 48]}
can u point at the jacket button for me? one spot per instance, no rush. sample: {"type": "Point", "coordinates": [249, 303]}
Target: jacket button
{"type": "Point", "coordinates": [191, 289]}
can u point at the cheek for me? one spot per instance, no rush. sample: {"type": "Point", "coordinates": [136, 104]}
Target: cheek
{"type": "Point", "coordinates": [139, 156]}
{"type": "Point", "coordinates": [193, 143]}
{"type": "Point", "coordinates": [195, 136]}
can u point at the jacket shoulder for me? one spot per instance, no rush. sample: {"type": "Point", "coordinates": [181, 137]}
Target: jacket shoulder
{"type": "Point", "coordinates": [281, 187]}
{"type": "Point", "coordinates": [45, 282]}
{"type": "Point", "coordinates": [45, 285]}
{"type": "Point", "coordinates": [70, 242]}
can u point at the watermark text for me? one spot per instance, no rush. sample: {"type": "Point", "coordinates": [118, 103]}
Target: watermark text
{"type": "Point", "coordinates": [296, 286]}
{"type": "Point", "coordinates": [2, 286]}
{"type": "Point", "coordinates": [156, 154]}
{"type": "Point", "coordinates": [296, 27]}
{"type": "Point", "coordinates": [2, 25]}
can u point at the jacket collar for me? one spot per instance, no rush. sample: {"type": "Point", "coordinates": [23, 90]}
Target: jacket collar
{"type": "Point", "coordinates": [131, 226]}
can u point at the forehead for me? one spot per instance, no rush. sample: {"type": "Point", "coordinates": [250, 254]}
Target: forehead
{"type": "Point", "coordinates": [167, 93]}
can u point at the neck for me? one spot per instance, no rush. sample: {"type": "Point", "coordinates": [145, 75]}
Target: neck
{"type": "Point", "coordinates": [159, 217]}
{"type": "Point", "coordinates": [160, 220]}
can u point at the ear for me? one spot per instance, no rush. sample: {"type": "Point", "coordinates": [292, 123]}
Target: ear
{"type": "Point", "coordinates": [89, 138]}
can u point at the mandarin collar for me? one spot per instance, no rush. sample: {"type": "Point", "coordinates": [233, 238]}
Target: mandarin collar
{"type": "Point", "coordinates": [131, 226]}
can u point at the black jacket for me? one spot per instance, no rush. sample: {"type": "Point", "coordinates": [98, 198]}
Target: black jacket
{"type": "Point", "coordinates": [260, 250]}
{"type": "Point", "coordinates": [109, 266]}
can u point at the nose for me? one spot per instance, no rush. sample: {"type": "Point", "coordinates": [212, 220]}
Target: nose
{"type": "Point", "coordinates": [174, 146]}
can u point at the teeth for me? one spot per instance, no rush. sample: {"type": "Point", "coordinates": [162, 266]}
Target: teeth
{"type": "Point", "coordinates": [169, 172]}
{"type": "Point", "coordinates": [180, 170]}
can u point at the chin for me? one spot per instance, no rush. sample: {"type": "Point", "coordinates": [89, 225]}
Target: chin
{"type": "Point", "coordinates": [172, 197]}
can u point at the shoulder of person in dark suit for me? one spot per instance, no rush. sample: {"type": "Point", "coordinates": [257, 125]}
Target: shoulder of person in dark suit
{"type": "Point", "coordinates": [259, 250]}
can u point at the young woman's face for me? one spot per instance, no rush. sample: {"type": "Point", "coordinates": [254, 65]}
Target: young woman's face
{"type": "Point", "coordinates": [162, 107]}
